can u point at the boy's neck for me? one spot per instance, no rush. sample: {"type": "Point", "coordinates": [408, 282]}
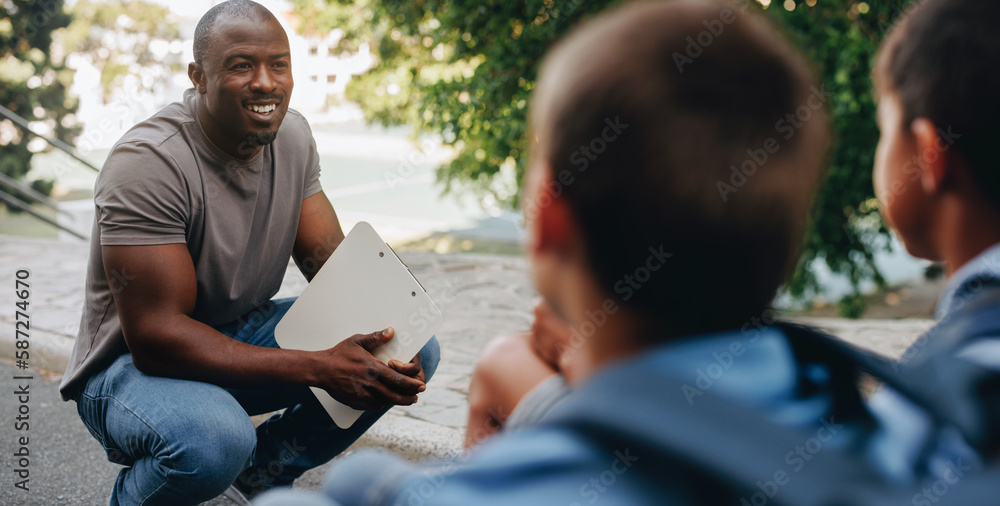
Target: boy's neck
{"type": "Point", "coordinates": [616, 338]}
{"type": "Point", "coordinates": [969, 230]}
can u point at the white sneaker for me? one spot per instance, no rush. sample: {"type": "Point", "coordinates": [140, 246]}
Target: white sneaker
{"type": "Point", "coordinates": [233, 494]}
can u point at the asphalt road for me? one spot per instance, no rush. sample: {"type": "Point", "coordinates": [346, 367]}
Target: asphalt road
{"type": "Point", "coordinates": [65, 463]}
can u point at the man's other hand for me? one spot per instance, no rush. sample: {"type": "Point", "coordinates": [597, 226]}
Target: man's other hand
{"type": "Point", "coordinates": [412, 368]}
{"type": "Point", "coordinates": [358, 379]}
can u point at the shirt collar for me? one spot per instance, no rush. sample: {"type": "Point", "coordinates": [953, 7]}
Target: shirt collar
{"type": "Point", "coordinates": [755, 367]}
{"type": "Point", "coordinates": [986, 265]}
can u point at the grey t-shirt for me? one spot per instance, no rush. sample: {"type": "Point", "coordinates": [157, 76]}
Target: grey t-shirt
{"type": "Point", "coordinates": [165, 182]}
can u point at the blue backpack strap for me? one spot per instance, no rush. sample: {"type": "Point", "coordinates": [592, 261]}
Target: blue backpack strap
{"type": "Point", "coordinates": [976, 316]}
{"type": "Point", "coordinates": [951, 391]}
{"type": "Point", "coordinates": [956, 391]}
{"type": "Point", "coordinates": [730, 451]}
{"type": "Point", "coordinates": [844, 362]}
{"type": "Point", "coordinates": [980, 489]}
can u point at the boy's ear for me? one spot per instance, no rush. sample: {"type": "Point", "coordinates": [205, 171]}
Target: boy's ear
{"type": "Point", "coordinates": [554, 229]}
{"type": "Point", "coordinates": [934, 169]}
{"type": "Point", "coordinates": [197, 76]}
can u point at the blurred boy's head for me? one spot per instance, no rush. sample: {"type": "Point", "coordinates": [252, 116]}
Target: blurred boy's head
{"type": "Point", "coordinates": [937, 81]}
{"type": "Point", "coordinates": [676, 148]}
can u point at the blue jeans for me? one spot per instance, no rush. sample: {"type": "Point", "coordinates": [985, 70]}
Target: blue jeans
{"type": "Point", "coordinates": [185, 442]}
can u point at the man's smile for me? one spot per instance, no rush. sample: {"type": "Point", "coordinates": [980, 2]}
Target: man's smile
{"type": "Point", "coordinates": [261, 111]}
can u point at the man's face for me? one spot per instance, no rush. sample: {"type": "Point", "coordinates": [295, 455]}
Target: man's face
{"type": "Point", "coordinates": [245, 84]}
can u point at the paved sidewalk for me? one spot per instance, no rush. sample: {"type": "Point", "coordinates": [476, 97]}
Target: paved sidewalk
{"type": "Point", "coordinates": [481, 296]}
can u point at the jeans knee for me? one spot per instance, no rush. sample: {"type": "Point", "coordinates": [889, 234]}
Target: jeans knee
{"type": "Point", "coordinates": [229, 447]}
{"type": "Point", "coordinates": [430, 356]}
{"type": "Point", "coordinates": [208, 461]}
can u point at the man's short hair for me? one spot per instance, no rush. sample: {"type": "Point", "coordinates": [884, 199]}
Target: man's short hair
{"type": "Point", "coordinates": [239, 9]}
{"type": "Point", "coordinates": [688, 139]}
{"type": "Point", "coordinates": [940, 61]}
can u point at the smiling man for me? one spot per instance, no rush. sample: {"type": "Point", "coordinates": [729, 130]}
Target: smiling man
{"type": "Point", "coordinates": [198, 210]}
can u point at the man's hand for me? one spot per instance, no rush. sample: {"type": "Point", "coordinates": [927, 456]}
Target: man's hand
{"type": "Point", "coordinates": [413, 368]}
{"type": "Point", "coordinates": [358, 379]}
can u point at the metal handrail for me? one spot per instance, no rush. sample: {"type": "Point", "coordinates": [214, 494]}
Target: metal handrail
{"type": "Point", "coordinates": [23, 123]}
{"type": "Point", "coordinates": [10, 182]}
{"type": "Point", "coordinates": [24, 206]}
{"type": "Point", "coordinates": [29, 192]}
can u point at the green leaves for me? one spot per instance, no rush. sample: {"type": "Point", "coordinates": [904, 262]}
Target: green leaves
{"type": "Point", "coordinates": [461, 69]}
{"type": "Point", "coordinates": [465, 69]}
{"type": "Point", "coordinates": [847, 229]}
{"type": "Point", "coordinates": [118, 37]}
{"type": "Point", "coordinates": [33, 82]}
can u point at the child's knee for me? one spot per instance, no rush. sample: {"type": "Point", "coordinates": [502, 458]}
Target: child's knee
{"type": "Point", "coordinates": [503, 351]}
{"type": "Point", "coordinates": [498, 359]}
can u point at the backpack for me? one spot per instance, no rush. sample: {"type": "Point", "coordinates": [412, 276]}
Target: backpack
{"type": "Point", "coordinates": [956, 392]}
{"type": "Point", "coordinates": [737, 456]}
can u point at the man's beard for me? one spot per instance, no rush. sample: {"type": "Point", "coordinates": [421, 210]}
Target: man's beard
{"type": "Point", "coordinates": [257, 139]}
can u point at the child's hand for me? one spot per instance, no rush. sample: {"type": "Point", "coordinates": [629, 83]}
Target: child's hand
{"type": "Point", "coordinates": [549, 336]}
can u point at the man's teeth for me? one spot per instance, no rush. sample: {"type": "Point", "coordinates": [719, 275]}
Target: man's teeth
{"type": "Point", "coordinates": [263, 109]}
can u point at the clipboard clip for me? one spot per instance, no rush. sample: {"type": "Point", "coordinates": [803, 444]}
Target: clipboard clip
{"type": "Point", "coordinates": [408, 271]}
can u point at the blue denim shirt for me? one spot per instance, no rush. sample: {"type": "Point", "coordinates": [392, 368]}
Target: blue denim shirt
{"type": "Point", "coordinates": [548, 464]}
{"type": "Point", "coordinates": [908, 437]}
{"type": "Point", "coordinates": [965, 283]}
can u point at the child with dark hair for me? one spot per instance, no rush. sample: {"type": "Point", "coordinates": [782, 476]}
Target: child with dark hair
{"type": "Point", "coordinates": [937, 180]}
{"type": "Point", "coordinates": [936, 173]}
{"type": "Point", "coordinates": [666, 200]}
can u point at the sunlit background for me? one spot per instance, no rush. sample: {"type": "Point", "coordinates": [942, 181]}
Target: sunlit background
{"type": "Point", "coordinates": [129, 61]}
{"type": "Point", "coordinates": [373, 174]}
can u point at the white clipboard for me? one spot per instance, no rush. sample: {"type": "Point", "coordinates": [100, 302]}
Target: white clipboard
{"type": "Point", "coordinates": [362, 288]}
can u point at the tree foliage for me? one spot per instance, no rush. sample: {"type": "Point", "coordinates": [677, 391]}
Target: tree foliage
{"type": "Point", "coordinates": [118, 37]}
{"type": "Point", "coordinates": [461, 69]}
{"type": "Point", "coordinates": [465, 69]}
{"type": "Point", "coordinates": [33, 81]}
{"type": "Point", "coordinates": [123, 38]}
{"type": "Point", "coordinates": [843, 37]}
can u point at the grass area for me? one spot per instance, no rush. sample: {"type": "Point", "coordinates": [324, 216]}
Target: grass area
{"type": "Point", "coordinates": [26, 225]}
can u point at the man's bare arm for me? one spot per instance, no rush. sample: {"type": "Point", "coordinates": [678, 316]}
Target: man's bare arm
{"type": "Point", "coordinates": [155, 308]}
{"type": "Point", "coordinates": [318, 235]}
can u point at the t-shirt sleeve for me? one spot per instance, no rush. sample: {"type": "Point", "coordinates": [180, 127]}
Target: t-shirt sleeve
{"type": "Point", "coordinates": [312, 185]}
{"type": "Point", "coordinates": [141, 198]}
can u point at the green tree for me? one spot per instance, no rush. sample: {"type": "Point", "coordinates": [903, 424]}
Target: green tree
{"type": "Point", "coordinates": [843, 37]}
{"type": "Point", "coordinates": [465, 69]}
{"type": "Point", "coordinates": [122, 38]}
{"type": "Point", "coordinates": [33, 81]}
{"type": "Point", "coordinates": [461, 69]}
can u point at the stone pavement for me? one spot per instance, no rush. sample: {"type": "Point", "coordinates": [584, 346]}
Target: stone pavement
{"type": "Point", "coordinates": [480, 296]}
